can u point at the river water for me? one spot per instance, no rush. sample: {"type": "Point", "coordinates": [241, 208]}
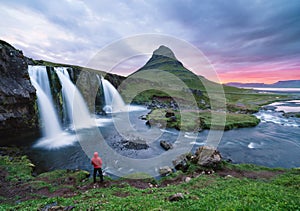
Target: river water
{"type": "Point", "coordinates": [275, 142]}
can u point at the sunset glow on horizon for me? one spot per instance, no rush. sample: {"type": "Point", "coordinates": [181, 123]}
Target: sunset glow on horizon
{"type": "Point", "coordinates": [267, 77]}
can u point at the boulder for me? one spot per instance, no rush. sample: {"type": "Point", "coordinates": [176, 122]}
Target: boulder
{"type": "Point", "coordinates": [208, 156]}
{"type": "Point", "coordinates": [164, 171]}
{"type": "Point", "coordinates": [135, 145]}
{"type": "Point", "coordinates": [61, 208]}
{"type": "Point", "coordinates": [169, 113]}
{"type": "Point", "coordinates": [166, 145]}
{"type": "Point", "coordinates": [176, 197]}
{"type": "Point", "coordinates": [187, 179]}
{"type": "Point", "coordinates": [134, 142]}
{"type": "Point", "coordinates": [181, 163]}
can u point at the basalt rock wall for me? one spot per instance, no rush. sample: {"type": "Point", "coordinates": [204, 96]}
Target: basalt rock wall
{"type": "Point", "coordinates": [18, 109]}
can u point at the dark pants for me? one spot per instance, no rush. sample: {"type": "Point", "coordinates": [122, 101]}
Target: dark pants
{"type": "Point", "coordinates": [99, 170]}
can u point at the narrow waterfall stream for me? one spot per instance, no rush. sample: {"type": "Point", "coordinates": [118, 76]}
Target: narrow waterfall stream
{"type": "Point", "coordinates": [48, 114]}
{"type": "Point", "coordinates": [113, 100]}
{"type": "Point", "coordinates": [76, 107]}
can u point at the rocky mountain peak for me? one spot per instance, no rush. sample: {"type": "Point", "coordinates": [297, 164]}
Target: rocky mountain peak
{"type": "Point", "coordinates": [164, 51]}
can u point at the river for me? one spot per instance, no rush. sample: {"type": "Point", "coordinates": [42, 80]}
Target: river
{"type": "Point", "coordinates": [275, 142]}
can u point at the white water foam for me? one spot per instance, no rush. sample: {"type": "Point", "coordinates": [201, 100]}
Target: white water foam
{"type": "Point", "coordinates": [253, 145]}
{"type": "Point", "coordinates": [101, 122]}
{"type": "Point", "coordinates": [287, 106]}
{"type": "Point", "coordinates": [60, 140]}
{"type": "Point", "coordinates": [190, 135]}
{"type": "Point", "coordinates": [274, 117]}
{"type": "Point", "coordinates": [167, 131]}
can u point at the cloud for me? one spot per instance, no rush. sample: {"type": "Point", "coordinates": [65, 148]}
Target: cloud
{"type": "Point", "coordinates": [232, 34]}
{"type": "Point", "coordinates": [235, 29]}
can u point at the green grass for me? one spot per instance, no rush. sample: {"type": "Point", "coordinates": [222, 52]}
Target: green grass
{"type": "Point", "coordinates": [202, 193]}
{"type": "Point", "coordinates": [251, 167]}
{"type": "Point", "coordinates": [205, 192]}
{"type": "Point", "coordinates": [17, 168]}
{"type": "Point", "coordinates": [195, 120]}
{"type": "Point", "coordinates": [233, 120]}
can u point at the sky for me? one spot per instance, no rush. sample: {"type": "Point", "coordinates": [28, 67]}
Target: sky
{"type": "Point", "coordinates": [244, 40]}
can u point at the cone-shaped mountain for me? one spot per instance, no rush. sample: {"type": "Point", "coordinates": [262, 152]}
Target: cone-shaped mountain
{"type": "Point", "coordinates": [164, 59]}
{"type": "Point", "coordinates": [164, 51]}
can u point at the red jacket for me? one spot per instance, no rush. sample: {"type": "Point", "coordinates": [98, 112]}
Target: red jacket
{"type": "Point", "coordinates": [96, 161]}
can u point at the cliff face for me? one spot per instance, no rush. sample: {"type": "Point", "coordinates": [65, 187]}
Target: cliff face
{"type": "Point", "coordinates": [18, 110]}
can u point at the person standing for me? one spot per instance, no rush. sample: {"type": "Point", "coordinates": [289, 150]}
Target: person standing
{"type": "Point", "coordinates": [97, 163]}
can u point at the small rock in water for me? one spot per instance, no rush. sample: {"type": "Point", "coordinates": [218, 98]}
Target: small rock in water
{"type": "Point", "coordinates": [166, 145]}
{"type": "Point", "coordinates": [143, 117]}
{"type": "Point", "coordinates": [163, 171]}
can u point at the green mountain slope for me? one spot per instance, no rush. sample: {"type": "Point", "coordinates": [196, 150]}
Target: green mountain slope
{"type": "Point", "coordinates": [164, 76]}
{"type": "Point", "coordinates": [165, 83]}
{"type": "Point", "coordinates": [164, 59]}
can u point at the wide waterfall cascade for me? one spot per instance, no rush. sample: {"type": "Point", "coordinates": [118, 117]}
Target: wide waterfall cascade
{"type": "Point", "coordinates": [113, 100]}
{"type": "Point", "coordinates": [76, 107]}
{"type": "Point", "coordinates": [53, 135]}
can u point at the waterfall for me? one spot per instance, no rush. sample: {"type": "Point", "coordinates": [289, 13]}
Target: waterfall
{"type": "Point", "coordinates": [113, 100]}
{"type": "Point", "coordinates": [76, 108]}
{"type": "Point", "coordinates": [53, 135]}
{"type": "Point", "coordinates": [39, 78]}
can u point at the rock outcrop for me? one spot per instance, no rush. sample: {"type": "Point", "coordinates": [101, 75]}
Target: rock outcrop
{"type": "Point", "coordinates": [18, 110]}
{"type": "Point", "coordinates": [208, 156]}
{"type": "Point", "coordinates": [181, 163]}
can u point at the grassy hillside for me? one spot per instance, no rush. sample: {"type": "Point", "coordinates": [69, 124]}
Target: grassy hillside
{"type": "Point", "coordinates": [231, 187]}
{"type": "Point", "coordinates": [164, 74]}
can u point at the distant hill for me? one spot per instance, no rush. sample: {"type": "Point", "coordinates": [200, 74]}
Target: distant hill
{"type": "Point", "coordinates": [279, 84]}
